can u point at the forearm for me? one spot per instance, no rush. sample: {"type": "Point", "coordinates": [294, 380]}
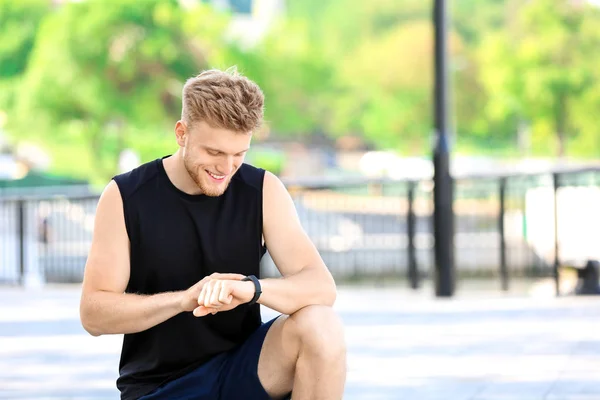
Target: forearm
{"type": "Point", "coordinates": [310, 286]}
{"type": "Point", "coordinates": [119, 313]}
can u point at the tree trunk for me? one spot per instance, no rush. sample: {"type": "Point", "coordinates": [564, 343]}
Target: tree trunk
{"type": "Point", "coordinates": [562, 152]}
{"type": "Point", "coordinates": [96, 149]}
{"type": "Point", "coordinates": [561, 128]}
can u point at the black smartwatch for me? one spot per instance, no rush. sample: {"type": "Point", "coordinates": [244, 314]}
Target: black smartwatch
{"type": "Point", "coordinates": [257, 288]}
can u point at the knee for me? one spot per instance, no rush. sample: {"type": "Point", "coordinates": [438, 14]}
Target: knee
{"type": "Point", "coordinates": [319, 330]}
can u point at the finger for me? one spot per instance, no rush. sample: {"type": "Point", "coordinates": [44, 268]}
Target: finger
{"type": "Point", "coordinates": [205, 290]}
{"type": "Point", "coordinates": [203, 281]}
{"type": "Point", "coordinates": [214, 298]}
{"type": "Point", "coordinates": [225, 296]}
{"type": "Point", "coordinates": [201, 311]}
{"type": "Point", "coordinates": [209, 289]}
{"type": "Point", "coordinates": [202, 295]}
{"type": "Point", "coordinates": [232, 277]}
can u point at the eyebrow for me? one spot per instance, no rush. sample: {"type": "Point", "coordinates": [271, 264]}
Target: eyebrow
{"type": "Point", "coordinates": [221, 151]}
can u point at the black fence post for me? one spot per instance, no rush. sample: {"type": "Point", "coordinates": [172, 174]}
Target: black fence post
{"type": "Point", "coordinates": [21, 236]}
{"type": "Point", "coordinates": [501, 230]}
{"type": "Point", "coordinates": [413, 272]}
{"type": "Point", "coordinates": [556, 185]}
{"type": "Point", "coordinates": [443, 216]}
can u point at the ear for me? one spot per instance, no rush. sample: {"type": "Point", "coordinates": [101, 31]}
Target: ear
{"type": "Point", "coordinates": [180, 133]}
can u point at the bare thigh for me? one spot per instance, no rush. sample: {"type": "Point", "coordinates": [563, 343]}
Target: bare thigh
{"type": "Point", "coordinates": [277, 362]}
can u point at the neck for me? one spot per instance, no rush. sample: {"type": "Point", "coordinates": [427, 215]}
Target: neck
{"type": "Point", "coordinates": [178, 175]}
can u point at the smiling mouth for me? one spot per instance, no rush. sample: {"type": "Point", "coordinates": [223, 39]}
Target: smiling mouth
{"type": "Point", "coordinates": [215, 177]}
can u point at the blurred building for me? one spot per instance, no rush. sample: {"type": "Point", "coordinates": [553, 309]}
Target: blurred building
{"type": "Point", "coordinates": [251, 18]}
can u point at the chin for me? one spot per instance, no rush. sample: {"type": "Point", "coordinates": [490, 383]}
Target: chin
{"type": "Point", "coordinates": [212, 190]}
{"type": "Point", "coordinates": [213, 193]}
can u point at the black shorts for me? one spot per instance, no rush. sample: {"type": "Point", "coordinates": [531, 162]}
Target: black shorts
{"type": "Point", "coordinates": [228, 376]}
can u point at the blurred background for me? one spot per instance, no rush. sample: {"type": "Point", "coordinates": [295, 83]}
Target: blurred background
{"type": "Point", "coordinates": [90, 88]}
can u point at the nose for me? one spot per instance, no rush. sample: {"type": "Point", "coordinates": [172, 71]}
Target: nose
{"type": "Point", "coordinates": [225, 165]}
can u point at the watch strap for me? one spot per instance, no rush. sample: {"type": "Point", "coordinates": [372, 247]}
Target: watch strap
{"type": "Point", "coordinates": [257, 288]}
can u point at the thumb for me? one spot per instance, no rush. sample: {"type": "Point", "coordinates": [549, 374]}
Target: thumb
{"type": "Point", "coordinates": [201, 311]}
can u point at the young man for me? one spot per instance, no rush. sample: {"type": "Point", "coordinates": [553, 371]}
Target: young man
{"type": "Point", "coordinates": [174, 259]}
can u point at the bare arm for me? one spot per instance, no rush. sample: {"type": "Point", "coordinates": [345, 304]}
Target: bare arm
{"type": "Point", "coordinates": [105, 308]}
{"type": "Point", "coordinates": [305, 278]}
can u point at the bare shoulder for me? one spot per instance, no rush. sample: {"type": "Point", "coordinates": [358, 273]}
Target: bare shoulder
{"type": "Point", "coordinates": [107, 266]}
{"type": "Point", "coordinates": [277, 200]}
{"type": "Point", "coordinates": [111, 196]}
{"type": "Point", "coordinates": [273, 185]}
{"type": "Point", "coordinates": [109, 211]}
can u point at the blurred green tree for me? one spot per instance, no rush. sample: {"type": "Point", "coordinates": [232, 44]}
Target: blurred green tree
{"type": "Point", "coordinates": [294, 76]}
{"type": "Point", "coordinates": [19, 24]}
{"type": "Point", "coordinates": [375, 70]}
{"type": "Point", "coordinates": [472, 21]}
{"type": "Point", "coordinates": [369, 53]}
{"type": "Point", "coordinates": [108, 76]}
{"type": "Point", "coordinates": [542, 73]}
{"type": "Point", "coordinates": [94, 78]}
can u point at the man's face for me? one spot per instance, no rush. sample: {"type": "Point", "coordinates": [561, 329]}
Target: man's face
{"type": "Point", "coordinates": [212, 155]}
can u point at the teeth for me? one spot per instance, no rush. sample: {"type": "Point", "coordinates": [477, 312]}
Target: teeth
{"type": "Point", "coordinates": [216, 176]}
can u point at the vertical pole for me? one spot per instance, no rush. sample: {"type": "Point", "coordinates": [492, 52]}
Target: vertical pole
{"type": "Point", "coordinates": [503, 266]}
{"type": "Point", "coordinates": [443, 185]}
{"type": "Point", "coordinates": [413, 272]}
{"type": "Point", "coordinates": [21, 236]}
{"type": "Point", "coordinates": [555, 182]}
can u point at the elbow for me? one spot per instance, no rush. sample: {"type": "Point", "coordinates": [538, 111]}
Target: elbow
{"type": "Point", "coordinates": [90, 328]}
{"type": "Point", "coordinates": [330, 296]}
{"type": "Point", "coordinates": [87, 321]}
{"type": "Point", "coordinates": [329, 293]}
{"type": "Point", "coordinates": [92, 331]}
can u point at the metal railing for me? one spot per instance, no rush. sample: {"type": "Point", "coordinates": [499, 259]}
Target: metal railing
{"type": "Point", "coordinates": [505, 226]}
{"type": "Point", "coordinates": [45, 239]}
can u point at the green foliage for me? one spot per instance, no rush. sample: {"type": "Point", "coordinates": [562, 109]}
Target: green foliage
{"type": "Point", "coordinates": [86, 80]}
{"type": "Point", "coordinates": [296, 79]}
{"type": "Point", "coordinates": [267, 159]}
{"type": "Point", "coordinates": [544, 72]}
{"type": "Point", "coordinates": [117, 70]}
{"type": "Point", "coordinates": [19, 24]}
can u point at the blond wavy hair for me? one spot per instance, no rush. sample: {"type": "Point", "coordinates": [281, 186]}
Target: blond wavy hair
{"type": "Point", "coordinates": [223, 99]}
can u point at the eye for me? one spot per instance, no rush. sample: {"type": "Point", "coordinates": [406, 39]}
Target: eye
{"type": "Point", "coordinates": [214, 153]}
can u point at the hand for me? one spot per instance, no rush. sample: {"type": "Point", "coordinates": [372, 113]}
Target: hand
{"type": "Point", "coordinates": [221, 293]}
{"type": "Point", "coordinates": [189, 298]}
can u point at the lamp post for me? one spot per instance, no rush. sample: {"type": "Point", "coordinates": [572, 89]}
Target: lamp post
{"type": "Point", "coordinates": [443, 218]}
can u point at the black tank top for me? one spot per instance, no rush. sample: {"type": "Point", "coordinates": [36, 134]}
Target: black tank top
{"type": "Point", "coordinates": [176, 240]}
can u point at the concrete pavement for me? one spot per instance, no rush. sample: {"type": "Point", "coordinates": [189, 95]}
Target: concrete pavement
{"type": "Point", "coordinates": [481, 345]}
